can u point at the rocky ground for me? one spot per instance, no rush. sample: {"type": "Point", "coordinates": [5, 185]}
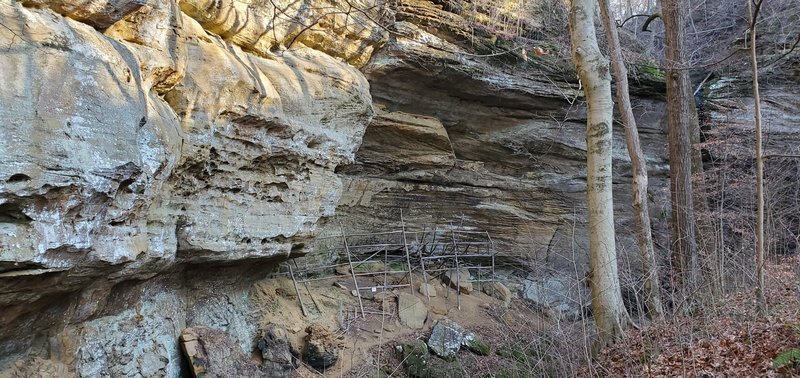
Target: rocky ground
{"type": "Point", "coordinates": [449, 326]}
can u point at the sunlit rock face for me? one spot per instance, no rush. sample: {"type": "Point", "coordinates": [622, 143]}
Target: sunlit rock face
{"type": "Point", "coordinates": [143, 137]}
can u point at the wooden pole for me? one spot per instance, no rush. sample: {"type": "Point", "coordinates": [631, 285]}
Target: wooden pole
{"type": "Point", "coordinates": [424, 273]}
{"type": "Point", "coordinates": [305, 284]}
{"type": "Point", "coordinates": [458, 271]}
{"type": "Point", "coordinates": [491, 251]}
{"type": "Point", "coordinates": [405, 247]}
{"type": "Point", "coordinates": [297, 291]}
{"type": "Point", "coordinates": [352, 272]}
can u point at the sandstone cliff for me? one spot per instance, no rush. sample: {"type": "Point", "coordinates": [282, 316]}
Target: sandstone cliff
{"type": "Point", "coordinates": [161, 156]}
{"type": "Point", "coordinates": [142, 137]}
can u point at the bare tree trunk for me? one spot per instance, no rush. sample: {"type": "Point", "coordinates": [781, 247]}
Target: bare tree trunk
{"type": "Point", "coordinates": [607, 307]}
{"type": "Point", "coordinates": [638, 166]}
{"type": "Point", "coordinates": [680, 115]}
{"type": "Point", "coordinates": [761, 303]}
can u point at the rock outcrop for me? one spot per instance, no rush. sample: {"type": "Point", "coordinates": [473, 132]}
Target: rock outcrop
{"type": "Point", "coordinates": [161, 156]}
{"type": "Point", "coordinates": [147, 139]}
{"type": "Point", "coordinates": [212, 354]}
{"type": "Point", "coordinates": [149, 146]}
{"type": "Point", "coordinates": [492, 144]}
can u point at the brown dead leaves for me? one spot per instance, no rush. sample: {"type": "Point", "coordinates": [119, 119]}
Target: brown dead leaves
{"type": "Point", "coordinates": [727, 341]}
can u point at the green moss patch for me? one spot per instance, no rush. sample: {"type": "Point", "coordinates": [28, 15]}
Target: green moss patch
{"type": "Point", "coordinates": [478, 347]}
{"type": "Point", "coordinates": [421, 364]}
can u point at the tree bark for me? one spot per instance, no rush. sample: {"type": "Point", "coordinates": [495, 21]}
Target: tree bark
{"type": "Point", "coordinates": [761, 303]}
{"type": "Point", "coordinates": [681, 115]}
{"type": "Point", "coordinates": [607, 307]}
{"type": "Point", "coordinates": [638, 166]}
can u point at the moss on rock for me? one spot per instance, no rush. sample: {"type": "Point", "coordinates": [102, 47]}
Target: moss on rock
{"type": "Point", "coordinates": [478, 347]}
{"type": "Point", "coordinates": [420, 364]}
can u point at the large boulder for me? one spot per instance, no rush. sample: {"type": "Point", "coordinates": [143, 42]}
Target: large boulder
{"type": "Point", "coordinates": [427, 289]}
{"type": "Point", "coordinates": [447, 338]}
{"type": "Point", "coordinates": [459, 279]}
{"type": "Point", "coordinates": [497, 290]}
{"type": "Point", "coordinates": [276, 352]}
{"type": "Point", "coordinates": [560, 296]}
{"type": "Point", "coordinates": [322, 347]}
{"type": "Point", "coordinates": [411, 310]}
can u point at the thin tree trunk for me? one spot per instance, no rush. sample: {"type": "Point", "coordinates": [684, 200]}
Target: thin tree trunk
{"type": "Point", "coordinates": [680, 108]}
{"type": "Point", "coordinates": [721, 245]}
{"type": "Point", "coordinates": [607, 307]}
{"type": "Point", "coordinates": [638, 166]}
{"type": "Point", "coordinates": [761, 303]}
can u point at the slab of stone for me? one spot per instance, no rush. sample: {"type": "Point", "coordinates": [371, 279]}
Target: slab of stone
{"type": "Point", "coordinates": [411, 310]}
{"type": "Point", "coordinates": [459, 279]}
{"type": "Point", "coordinates": [497, 290]}
{"type": "Point", "coordinates": [427, 290]}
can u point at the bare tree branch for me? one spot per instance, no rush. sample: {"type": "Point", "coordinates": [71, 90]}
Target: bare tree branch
{"type": "Point", "coordinates": [796, 42]}
{"type": "Point", "coordinates": [622, 23]}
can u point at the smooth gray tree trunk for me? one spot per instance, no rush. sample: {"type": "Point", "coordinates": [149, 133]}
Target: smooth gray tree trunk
{"type": "Point", "coordinates": [644, 235]}
{"type": "Point", "coordinates": [593, 70]}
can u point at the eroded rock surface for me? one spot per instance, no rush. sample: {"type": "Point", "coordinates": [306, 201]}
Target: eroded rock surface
{"type": "Point", "coordinates": [486, 144]}
{"type": "Point", "coordinates": [141, 139]}
{"type": "Point", "coordinates": [160, 156]}
{"type": "Point", "coordinates": [212, 354]}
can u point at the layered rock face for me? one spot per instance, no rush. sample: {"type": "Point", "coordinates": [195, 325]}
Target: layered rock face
{"type": "Point", "coordinates": [471, 143]}
{"type": "Point", "coordinates": [160, 156]}
{"type": "Point", "coordinates": [143, 138]}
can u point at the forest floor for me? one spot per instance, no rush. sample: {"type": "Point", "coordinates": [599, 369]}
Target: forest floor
{"type": "Point", "coordinates": [725, 339]}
